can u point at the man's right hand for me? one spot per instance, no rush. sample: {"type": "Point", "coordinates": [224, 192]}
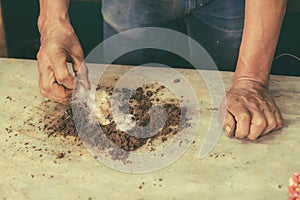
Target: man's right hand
{"type": "Point", "coordinates": [59, 43]}
{"type": "Point", "coordinates": [249, 110]}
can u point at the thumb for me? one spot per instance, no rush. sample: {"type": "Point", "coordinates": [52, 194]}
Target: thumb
{"type": "Point", "coordinates": [81, 72]}
{"type": "Point", "coordinates": [228, 120]}
{"type": "Point", "coordinates": [229, 124]}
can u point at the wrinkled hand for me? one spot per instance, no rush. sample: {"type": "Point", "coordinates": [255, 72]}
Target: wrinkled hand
{"type": "Point", "coordinates": [249, 110]}
{"type": "Point", "coordinates": [59, 43]}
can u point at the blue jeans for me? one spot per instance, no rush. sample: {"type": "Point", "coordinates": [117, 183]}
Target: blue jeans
{"type": "Point", "coordinates": [216, 24]}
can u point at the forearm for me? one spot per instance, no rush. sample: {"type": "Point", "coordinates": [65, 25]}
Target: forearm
{"type": "Point", "coordinates": [51, 12]}
{"type": "Point", "coordinates": [263, 19]}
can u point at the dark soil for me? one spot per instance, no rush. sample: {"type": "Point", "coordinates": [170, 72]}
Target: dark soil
{"type": "Point", "coordinates": [92, 135]}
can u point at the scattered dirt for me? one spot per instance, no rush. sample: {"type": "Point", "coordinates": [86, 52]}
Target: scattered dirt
{"type": "Point", "coordinates": [55, 120]}
{"type": "Point", "coordinates": [9, 98]}
{"type": "Point", "coordinates": [58, 120]}
{"type": "Point", "coordinates": [140, 103]}
{"type": "Point", "coordinates": [60, 155]}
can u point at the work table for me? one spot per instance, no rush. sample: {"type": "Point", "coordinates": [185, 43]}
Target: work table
{"type": "Point", "coordinates": [33, 165]}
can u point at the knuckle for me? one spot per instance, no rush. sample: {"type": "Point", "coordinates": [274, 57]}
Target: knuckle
{"type": "Point", "coordinates": [38, 55]}
{"type": "Point", "coordinates": [45, 89]}
{"type": "Point", "coordinates": [243, 117]}
{"type": "Point", "coordinates": [263, 103]}
{"type": "Point", "coordinates": [253, 102]}
{"type": "Point", "coordinates": [41, 56]}
{"type": "Point", "coordinates": [44, 92]}
{"type": "Point", "coordinates": [260, 122]}
{"type": "Point", "coordinates": [240, 136]}
{"type": "Point", "coordinates": [280, 124]}
{"type": "Point", "coordinates": [228, 105]}
{"type": "Point", "coordinates": [53, 46]}
{"type": "Point", "coordinates": [272, 124]}
{"type": "Point", "coordinates": [78, 55]}
{"type": "Point", "coordinates": [61, 78]}
{"type": "Point", "coordinates": [253, 137]}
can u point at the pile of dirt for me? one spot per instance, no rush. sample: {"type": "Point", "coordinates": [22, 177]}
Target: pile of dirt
{"type": "Point", "coordinates": [121, 143]}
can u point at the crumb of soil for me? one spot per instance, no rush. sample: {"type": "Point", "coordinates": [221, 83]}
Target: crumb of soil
{"type": "Point", "coordinates": [58, 120]}
{"type": "Point", "coordinates": [139, 108]}
{"type": "Point", "coordinates": [60, 155]}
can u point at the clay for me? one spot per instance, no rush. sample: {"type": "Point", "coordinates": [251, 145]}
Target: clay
{"type": "Point", "coordinates": [139, 108]}
{"type": "Point", "coordinates": [140, 102]}
{"type": "Point", "coordinates": [60, 155]}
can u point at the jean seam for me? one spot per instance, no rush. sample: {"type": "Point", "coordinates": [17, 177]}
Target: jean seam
{"type": "Point", "coordinates": [186, 6]}
{"type": "Point", "coordinates": [193, 5]}
{"type": "Point", "coordinates": [190, 5]}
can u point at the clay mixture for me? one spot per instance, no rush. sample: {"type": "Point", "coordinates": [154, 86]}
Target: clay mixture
{"type": "Point", "coordinates": [140, 102]}
{"type": "Point", "coordinates": [62, 123]}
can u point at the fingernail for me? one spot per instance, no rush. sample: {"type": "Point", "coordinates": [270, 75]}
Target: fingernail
{"type": "Point", "coordinates": [227, 129]}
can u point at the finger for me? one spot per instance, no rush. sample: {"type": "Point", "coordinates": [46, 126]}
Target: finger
{"type": "Point", "coordinates": [81, 72]}
{"type": "Point", "coordinates": [61, 72]}
{"type": "Point", "coordinates": [79, 66]}
{"type": "Point", "coordinates": [278, 117]}
{"type": "Point", "coordinates": [60, 93]}
{"type": "Point", "coordinates": [242, 118]}
{"type": "Point", "coordinates": [271, 119]}
{"type": "Point", "coordinates": [229, 124]}
{"type": "Point", "coordinates": [258, 123]}
{"type": "Point", "coordinates": [51, 89]}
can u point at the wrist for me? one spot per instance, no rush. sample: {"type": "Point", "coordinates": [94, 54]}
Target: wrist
{"type": "Point", "coordinates": [264, 80]}
{"type": "Point", "coordinates": [52, 25]}
{"type": "Point", "coordinates": [52, 12]}
{"type": "Point", "coordinates": [259, 73]}
{"type": "Point", "coordinates": [249, 82]}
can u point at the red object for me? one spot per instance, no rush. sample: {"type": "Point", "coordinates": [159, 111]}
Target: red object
{"type": "Point", "coordinates": [294, 187]}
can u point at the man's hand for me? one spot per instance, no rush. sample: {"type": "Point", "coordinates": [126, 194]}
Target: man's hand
{"type": "Point", "coordinates": [249, 110]}
{"type": "Point", "coordinates": [59, 43]}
